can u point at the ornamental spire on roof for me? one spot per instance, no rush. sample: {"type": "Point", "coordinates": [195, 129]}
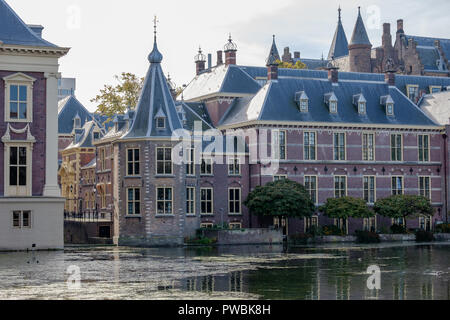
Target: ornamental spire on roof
{"type": "Point", "coordinates": [360, 33]}
{"type": "Point", "coordinates": [273, 55]}
{"type": "Point", "coordinates": [155, 56]}
{"type": "Point", "coordinates": [339, 46]}
{"type": "Point", "coordinates": [155, 101]}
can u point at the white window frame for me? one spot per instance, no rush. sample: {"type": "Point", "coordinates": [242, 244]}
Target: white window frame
{"type": "Point", "coordinates": [410, 86]}
{"type": "Point", "coordinates": [362, 108]}
{"type": "Point", "coordinates": [310, 190]}
{"type": "Point", "coordinates": [164, 201]}
{"type": "Point", "coordinates": [234, 201]}
{"type": "Point", "coordinates": [21, 219]}
{"type": "Point", "coordinates": [336, 157]}
{"type": "Point", "coordinates": [339, 190]}
{"type": "Point", "coordinates": [369, 190]}
{"type": "Point", "coordinates": [190, 201]}
{"type": "Point", "coordinates": [19, 79]}
{"type": "Point", "coordinates": [309, 147]}
{"type": "Point", "coordinates": [368, 149]}
{"type": "Point", "coordinates": [164, 161]}
{"type": "Point", "coordinates": [304, 105]}
{"type": "Point", "coordinates": [133, 162]}
{"type": "Point", "coordinates": [279, 177]}
{"type": "Point", "coordinates": [422, 191]}
{"type": "Point", "coordinates": [396, 190]}
{"type": "Point", "coordinates": [276, 143]}
{"type": "Point", "coordinates": [136, 203]}
{"type": "Point", "coordinates": [206, 201]}
{"type": "Point", "coordinates": [310, 222]}
{"type": "Point", "coordinates": [158, 123]}
{"type": "Point", "coordinates": [396, 147]}
{"type": "Point", "coordinates": [235, 225]}
{"type": "Point", "coordinates": [425, 152]}
{"type": "Point", "coordinates": [190, 165]}
{"type": "Point", "coordinates": [18, 191]}
{"type": "Point", "coordinates": [208, 162]}
{"type": "Point", "coordinates": [234, 166]}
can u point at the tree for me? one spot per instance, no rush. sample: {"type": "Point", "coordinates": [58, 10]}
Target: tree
{"type": "Point", "coordinates": [346, 207]}
{"type": "Point", "coordinates": [116, 99]}
{"type": "Point", "coordinates": [289, 65]}
{"type": "Point", "coordinates": [283, 198]}
{"type": "Point", "coordinates": [404, 206]}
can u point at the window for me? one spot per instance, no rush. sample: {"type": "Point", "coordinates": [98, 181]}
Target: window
{"type": "Point", "coordinates": [164, 161]}
{"type": "Point", "coordinates": [368, 147]}
{"type": "Point", "coordinates": [206, 167]}
{"type": "Point", "coordinates": [206, 201]}
{"type": "Point", "coordinates": [425, 223]}
{"type": "Point", "coordinates": [133, 162]}
{"type": "Point", "coordinates": [333, 106]}
{"type": "Point", "coordinates": [390, 109]}
{"type": "Point", "coordinates": [309, 146]}
{"type": "Point", "coordinates": [339, 146]}
{"type": "Point", "coordinates": [425, 187]}
{"type": "Point", "coordinates": [310, 223]}
{"type": "Point", "coordinates": [399, 222]}
{"type": "Point", "coordinates": [103, 198]}
{"type": "Point", "coordinates": [435, 89]}
{"type": "Point", "coordinates": [280, 177]}
{"type": "Point", "coordinates": [369, 189]}
{"type": "Point", "coordinates": [234, 168]}
{"type": "Point", "coordinates": [207, 225]}
{"type": "Point", "coordinates": [160, 123]}
{"type": "Point", "coordinates": [17, 166]}
{"type": "Point", "coordinates": [412, 92]}
{"type": "Point", "coordinates": [134, 201]}
{"type": "Point", "coordinates": [424, 148]}
{"type": "Point", "coordinates": [340, 186]}
{"type": "Point", "coordinates": [279, 142]}
{"type": "Point", "coordinates": [102, 159]}
{"type": "Point", "coordinates": [19, 98]}
{"type": "Point", "coordinates": [235, 225]}
{"type": "Point", "coordinates": [396, 147]}
{"type": "Point", "coordinates": [397, 186]}
{"type": "Point", "coordinates": [234, 200]}
{"type": "Point", "coordinates": [370, 224]}
{"type": "Point", "coordinates": [190, 201]}
{"type": "Point", "coordinates": [190, 165]}
{"type": "Point", "coordinates": [164, 198]}
{"type": "Point", "coordinates": [311, 187]}
{"type": "Point", "coordinates": [361, 107]}
{"type": "Point", "coordinates": [22, 219]}
{"type": "Point", "coordinates": [304, 105]}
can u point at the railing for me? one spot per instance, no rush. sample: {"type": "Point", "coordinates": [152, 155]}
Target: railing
{"type": "Point", "coordinates": [87, 216]}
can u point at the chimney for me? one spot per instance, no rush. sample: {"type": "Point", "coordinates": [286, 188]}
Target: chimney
{"type": "Point", "coordinates": [387, 38]}
{"type": "Point", "coordinates": [230, 52]}
{"type": "Point", "coordinates": [400, 26]}
{"type": "Point", "coordinates": [297, 55]}
{"type": "Point", "coordinates": [333, 74]}
{"type": "Point", "coordinates": [389, 78]}
{"type": "Point", "coordinates": [209, 61]}
{"type": "Point", "coordinates": [219, 58]}
{"type": "Point", "coordinates": [272, 72]}
{"type": "Point", "coordinates": [200, 61]}
{"type": "Point", "coordinates": [37, 29]}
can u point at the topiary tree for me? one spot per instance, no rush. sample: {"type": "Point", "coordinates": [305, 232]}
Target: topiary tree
{"type": "Point", "coordinates": [283, 198]}
{"type": "Point", "coordinates": [346, 207]}
{"type": "Point", "coordinates": [404, 206]}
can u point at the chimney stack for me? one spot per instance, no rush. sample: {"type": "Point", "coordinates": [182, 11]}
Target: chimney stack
{"type": "Point", "coordinates": [389, 78]}
{"type": "Point", "coordinates": [400, 26]}
{"type": "Point", "coordinates": [209, 61]}
{"type": "Point", "coordinates": [200, 61]}
{"type": "Point", "coordinates": [230, 52]}
{"type": "Point", "coordinates": [297, 55]}
{"type": "Point", "coordinates": [219, 58]}
{"type": "Point", "coordinates": [333, 74]}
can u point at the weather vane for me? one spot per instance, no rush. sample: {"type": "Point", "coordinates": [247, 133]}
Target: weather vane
{"type": "Point", "coordinates": [155, 22]}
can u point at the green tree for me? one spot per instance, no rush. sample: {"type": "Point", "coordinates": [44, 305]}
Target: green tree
{"type": "Point", "coordinates": [283, 198]}
{"type": "Point", "coordinates": [116, 99]}
{"type": "Point", "coordinates": [346, 207]}
{"type": "Point", "coordinates": [404, 206]}
{"type": "Point", "coordinates": [289, 65]}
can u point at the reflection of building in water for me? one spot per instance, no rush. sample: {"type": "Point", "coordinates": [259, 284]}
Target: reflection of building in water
{"type": "Point", "coordinates": [236, 279]}
{"type": "Point", "coordinates": [399, 288]}
{"type": "Point", "coordinates": [343, 288]}
{"type": "Point", "coordinates": [426, 290]}
{"type": "Point", "coordinates": [232, 282]}
{"type": "Point", "coordinates": [315, 288]}
{"type": "Point", "coordinates": [207, 284]}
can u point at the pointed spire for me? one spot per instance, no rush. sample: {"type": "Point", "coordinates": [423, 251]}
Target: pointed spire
{"type": "Point", "coordinates": [273, 54]}
{"type": "Point", "coordinates": [155, 56]}
{"type": "Point", "coordinates": [360, 33]}
{"type": "Point", "coordinates": [339, 46]}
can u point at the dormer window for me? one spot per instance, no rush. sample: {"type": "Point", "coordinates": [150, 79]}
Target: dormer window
{"type": "Point", "coordinates": [96, 135]}
{"type": "Point", "coordinates": [388, 102]}
{"type": "Point", "coordinates": [77, 122]}
{"type": "Point", "coordinates": [360, 102]}
{"type": "Point", "coordinates": [302, 100]}
{"type": "Point", "coordinates": [160, 123]}
{"type": "Point", "coordinates": [332, 102]}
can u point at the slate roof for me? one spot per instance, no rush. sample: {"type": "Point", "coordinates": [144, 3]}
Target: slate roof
{"type": "Point", "coordinates": [359, 32]}
{"type": "Point", "coordinates": [90, 165]}
{"type": "Point", "coordinates": [275, 102]}
{"type": "Point", "coordinates": [221, 79]}
{"type": "Point", "coordinates": [429, 54]}
{"type": "Point", "coordinates": [14, 31]}
{"type": "Point", "coordinates": [437, 107]}
{"type": "Point", "coordinates": [192, 112]}
{"type": "Point", "coordinates": [155, 96]}
{"type": "Point", "coordinates": [68, 108]}
{"type": "Point", "coordinates": [429, 42]}
{"type": "Point", "coordinates": [83, 136]}
{"type": "Point", "coordinates": [339, 46]}
{"type": "Point", "coordinates": [273, 54]}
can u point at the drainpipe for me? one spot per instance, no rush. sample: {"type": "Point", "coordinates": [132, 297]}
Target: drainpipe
{"type": "Point", "coordinates": [445, 176]}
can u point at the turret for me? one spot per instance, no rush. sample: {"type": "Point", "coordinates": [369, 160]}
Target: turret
{"type": "Point", "coordinates": [360, 47]}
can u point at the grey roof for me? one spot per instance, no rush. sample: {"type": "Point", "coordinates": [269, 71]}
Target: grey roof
{"type": "Point", "coordinates": [83, 137]}
{"type": "Point", "coordinates": [14, 31]}
{"type": "Point", "coordinates": [194, 112]}
{"type": "Point", "coordinates": [275, 102]}
{"type": "Point", "coordinates": [429, 42]}
{"type": "Point", "coordinates": [68, 109]}
{"type": "Point", "coordinates": [155, 96]}
{"type": "Point", "coordinates": [339, 46]}
{"type": "Point", "coordinates": [90, 165]}
{"type": "Point", "coordinates": [313, 64]}
{"type": "Point", "coordinates": [359, 32]}
{"type": "Point", "coordinates": [437, 107]}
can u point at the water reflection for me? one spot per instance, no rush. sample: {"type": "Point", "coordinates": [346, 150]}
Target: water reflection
{"type": "Point", "coordinates": [332, 272]}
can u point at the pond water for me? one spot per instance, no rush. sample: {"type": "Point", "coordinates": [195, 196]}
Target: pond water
{"type": "Point", "coordinates": [329, 272]}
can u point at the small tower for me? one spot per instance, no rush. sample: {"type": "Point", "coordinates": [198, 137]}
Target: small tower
{"type": "Point", "coordinates": [200, 60]}
{"type": "Point", "coordinates": [230, 52]}
{"type": "Point", "coordinates": [339, 46]}
{"type": "Point", "coordinates": [360, 48]}
{"type": "Point", "coordinates": [272, 62]}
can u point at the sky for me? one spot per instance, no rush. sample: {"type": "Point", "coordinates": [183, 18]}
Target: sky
{"type": "Point", "coordinates": [108, 37]}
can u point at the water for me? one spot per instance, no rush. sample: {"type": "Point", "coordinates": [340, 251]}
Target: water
{"type": "Point", "coordinates": [330, 272]}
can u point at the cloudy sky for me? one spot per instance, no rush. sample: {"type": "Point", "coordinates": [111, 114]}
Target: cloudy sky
{"type": "Point", "coordinates": [108, 37]}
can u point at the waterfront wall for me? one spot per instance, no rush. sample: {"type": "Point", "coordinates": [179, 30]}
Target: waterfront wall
{"type": "Point", "coordinates": [245, 236]}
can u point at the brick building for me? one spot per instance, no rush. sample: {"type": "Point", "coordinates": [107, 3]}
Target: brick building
{"type": "Point", "coordinates": [31, 207]}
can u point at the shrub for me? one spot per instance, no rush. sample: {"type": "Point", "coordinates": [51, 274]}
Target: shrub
{"type": "Point", "coordinates": [443, 228]}
{"type": "Point", "coordinates": [201, 241]}
{"type": "Point", "coordinates": [397, 229]}
{"type": "Point", "coordinates": [424, 236]}
{"type": "Point", "coordinates": [332, 231]}
{"type": "Point", "coordinates": [367, 237]}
